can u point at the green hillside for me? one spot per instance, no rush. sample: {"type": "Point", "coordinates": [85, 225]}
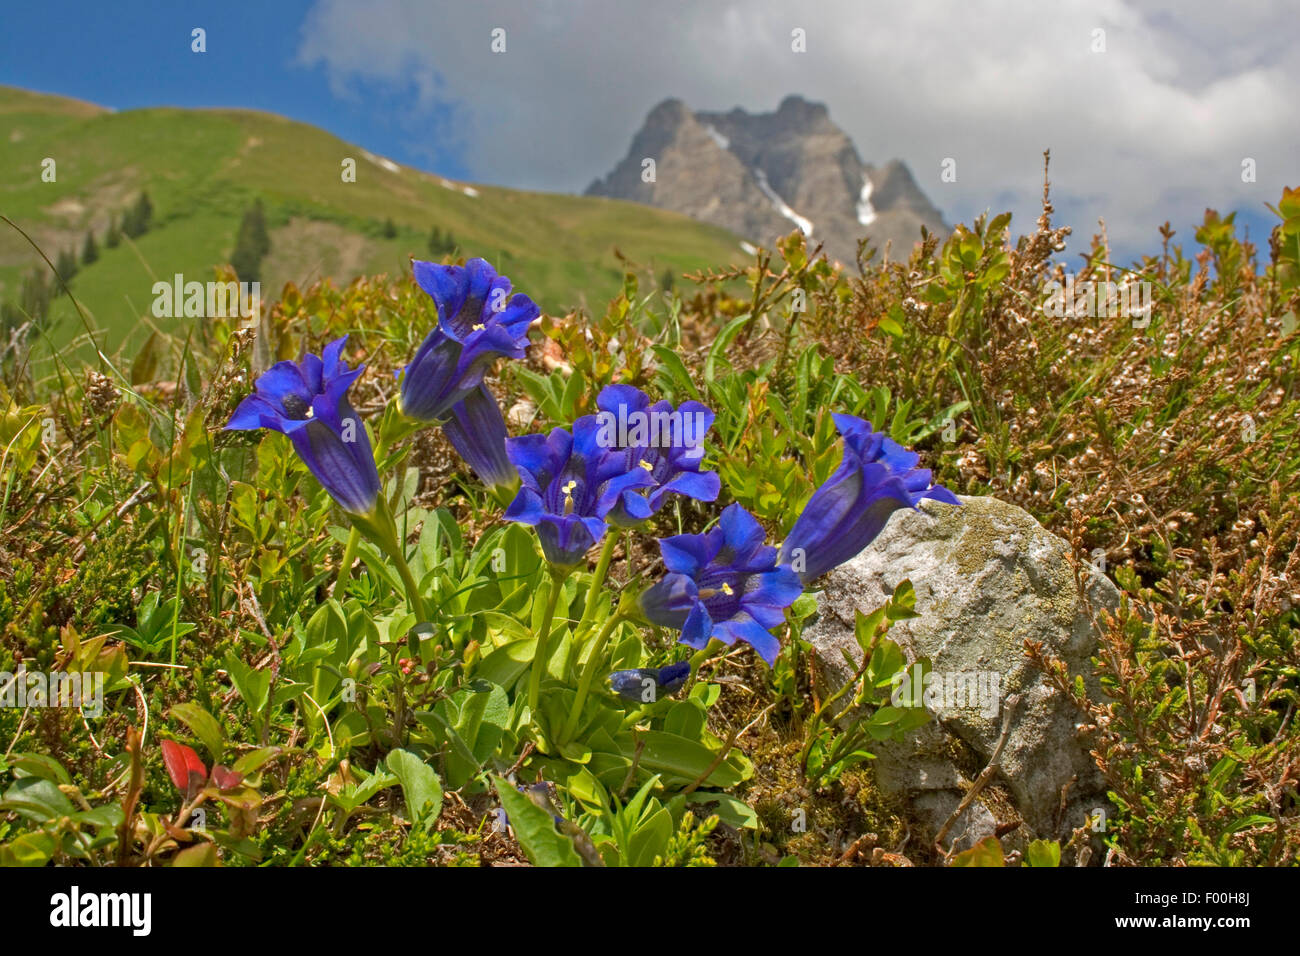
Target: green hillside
{"type": "Point", "coordinates": [203, 168]}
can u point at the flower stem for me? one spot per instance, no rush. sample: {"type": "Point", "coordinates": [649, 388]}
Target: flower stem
{"type": "Point", "coordinates": [349, 555]}
{"type": "Point", "coordinates": [541, 657]}
{"type": "Point", "coordinates": [412, 589]}
{"type": "Point", "coordinates": [589, 674]}
{"type": "Point", "coordinates": [700, 656]}
{"type": "Point", "coordinates": [598, 582]}
{"type": "Point", "coordinates": [381, 529]}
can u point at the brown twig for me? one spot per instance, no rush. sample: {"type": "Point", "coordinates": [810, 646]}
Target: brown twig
{"type": "Point", "coordinates": [983, 779]}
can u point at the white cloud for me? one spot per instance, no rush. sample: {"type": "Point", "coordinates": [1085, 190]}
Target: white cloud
{"type": "Point", "coordinates": [1154, 128]}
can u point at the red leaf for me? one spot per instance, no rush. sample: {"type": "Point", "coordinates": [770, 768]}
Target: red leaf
{"type": "Point", "coordinates": [181, 762]}
{"type": "Point", "coordinates": [225, 778]}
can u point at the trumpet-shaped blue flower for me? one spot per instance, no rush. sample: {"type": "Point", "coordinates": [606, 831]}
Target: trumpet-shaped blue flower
{"type": "Point", "coordinates": [570, 484]}
{"type": "Point", "coordinates": [876, 477]}
{"type": "Point", "coordinates": [667, 443]}
{"type": "Point", "coordinates": [723, 584]}
{"type": "Point", "coordinates": [478, 322]}
{"type": "Point", "coordinates": [631, 684]}
{"type": "Point", "coordinates": [478, 432]}
{"type": "Point", "coordinates": [308, 402]}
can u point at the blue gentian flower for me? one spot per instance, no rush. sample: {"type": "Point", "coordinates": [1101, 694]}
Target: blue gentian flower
{"type": "Point", "coordinates": [723, 584]}
{"type": "Point", "coordinates": [478, 322]}
{"type": "Point", "coordinates": [308, 401]}
{"type": "Point", "coordinates": [570, 484]}
{"type": "Point", "coordinates": [631, 684]}
{"type": "Point", "coordinates": [876, 477]}
{"type": "Point", "coordinates": [478, 432]}
{"type": "Point", "coordinates": [667, 443]}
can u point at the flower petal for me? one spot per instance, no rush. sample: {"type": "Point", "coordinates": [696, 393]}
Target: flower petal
{"type": "Point", "coordinates": [685, 553]}
{"type": "Point", "coordinates": [478, 433]}
{"type": "Point", "coordinates": [699, 628]}
{"type": "Point", "coordinates": [669, 600]}
{"type": "Point", "coordinates": [744, 628]}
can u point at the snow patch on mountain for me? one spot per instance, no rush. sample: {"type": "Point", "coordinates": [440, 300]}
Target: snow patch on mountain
{"type": "Point", "coordinates": [805, 225]}
{"type": "Point", "coordinates": [717, 137]}
{"type": "Point", "coordinates": [866, 211]}
{"type": "Point", "coordinates": [382, 163]}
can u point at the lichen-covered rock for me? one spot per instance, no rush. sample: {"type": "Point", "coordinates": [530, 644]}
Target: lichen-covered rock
{"type": "Point", "coordinates": [987, 578]}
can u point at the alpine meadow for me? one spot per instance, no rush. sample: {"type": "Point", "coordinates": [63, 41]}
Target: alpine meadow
{"type": "Point", "coordinates": [745, 510]}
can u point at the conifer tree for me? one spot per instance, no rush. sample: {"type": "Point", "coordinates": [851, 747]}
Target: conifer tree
{"type": "Point", "coordinates": [138, 218]}
{"type": "Point", "coordinates": [90, 250]}
{"type": "Point", "coordinates": [33, 306]}
{"type": "Point", "coordinates": [66, 267]}
{"type": "Point", "coordinates": [252, 244]}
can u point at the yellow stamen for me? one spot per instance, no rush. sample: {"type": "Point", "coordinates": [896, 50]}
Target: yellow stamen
{"type": "Point", "coordinates": [480, 327]}
{"type": "Point", "coordinates": [568, 496]}
{"type": "Point", "coordinates": [726, 589]}
{"type": "Point", "coordinates": [647, 466]}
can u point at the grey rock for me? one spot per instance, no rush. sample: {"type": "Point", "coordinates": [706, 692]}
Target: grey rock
{"type": "Point", "coordinates": [987, 578]}
{"type": "Point", "coordinates": [737, 170]}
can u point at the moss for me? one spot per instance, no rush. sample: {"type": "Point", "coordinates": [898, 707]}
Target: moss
{"type": "Point", "coordinates": [834, 816]}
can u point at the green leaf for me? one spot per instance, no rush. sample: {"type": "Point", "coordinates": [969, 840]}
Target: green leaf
{"type": "Point", "coordinates": [674, 369]}
{"type": "Point", "coordinates": [484, 716]}
{"type": "Point", "coordinates": [377, 565]}
{"type": "Point", "coordinates": [903, 604]}
{"type": "Point", "coordinates": [507, 663]}
{"type": "Point", "coordinates": [721, 343]}
{"type": "Point", "coordinates": [1043, 853]}
{"type": "Point", "coordinates": [864, 627]}
{"type": "Point", "coordinates": [204, 854]}
{"type": "Point", "coordinates": [988, 852]}
{"type": "Point", "coordinates": [651, 839]}
{"type": "Point", "coordinates": [730, 810]}
{"type": "Point", "coordinates": [254, 686]}
{"type": "Point", "coordinates": [535, 829]}
{"type": "Point", "coordinates": [39, 765]}
{"type": "Point", "coordinates": [891, 326]}
{"type": "Point", "coordinates": [29, 849]}
{"type": "Point", "coordinates": [355, 795]}
{"type": "Point", "coordinates": [420, 786]}
{"type": "Point", "coordinates": [569, 400]}
{"type": "Point", "coordinates": [1246, 823]}
{"type": "Point", "coordinates": [37, 799]}
{"type": "Point", "coordinates": [253, 761]}
{"type": "Point", "coordinates": [461, 762]}
{"type": "Point", "coordinates": [203, 725]}
{"type": "Point", "coordinates": [108, 815]}
{"type": "Point", "coordinates": [145, 367]}
{"type": "Point", "coordinates": [688, 760]}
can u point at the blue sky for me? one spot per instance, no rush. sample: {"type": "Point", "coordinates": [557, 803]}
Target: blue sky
{"type": "Point", "coordinates": [136, 53]}
{"type": "Point", "coordinates": [1153, 126]}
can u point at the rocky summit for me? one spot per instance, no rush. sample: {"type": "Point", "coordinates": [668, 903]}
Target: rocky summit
{"type": "Point", "coordinates": [761, 175]}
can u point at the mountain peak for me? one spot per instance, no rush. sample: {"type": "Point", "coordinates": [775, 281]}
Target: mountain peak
{"type": "Point", "coordinates": [795, 106]}
{"type": "Point", "coordinates": [762, 174]}
{"type": "Point", "coordinates": [671, 110]}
